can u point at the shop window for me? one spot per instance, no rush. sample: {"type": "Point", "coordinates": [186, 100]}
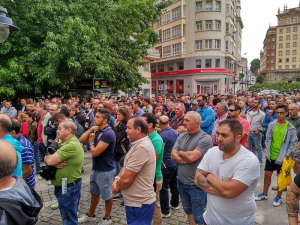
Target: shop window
{"type": "Point", "coordinates": [207, 63]}
{"type": "Point", "coordinates": [153, 86]}
{"type": "Point", "coordinates": [170, 88]}
{"type": "Point", "coordinates": [179, 86]}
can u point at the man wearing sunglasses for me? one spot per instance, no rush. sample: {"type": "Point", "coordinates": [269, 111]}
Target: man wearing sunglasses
{"type": "Point", "coordinates": [281, 139]}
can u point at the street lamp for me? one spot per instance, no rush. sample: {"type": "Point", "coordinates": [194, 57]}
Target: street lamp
{"type": "Point", "coordinates": [6, 25]}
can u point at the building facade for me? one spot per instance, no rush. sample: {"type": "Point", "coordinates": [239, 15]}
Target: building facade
{"type": "Point", "coordinates": [200, 45]}
{"type": "Point", "coordinates": [284, 64]}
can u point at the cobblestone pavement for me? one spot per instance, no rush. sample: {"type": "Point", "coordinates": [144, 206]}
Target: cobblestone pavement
{"type": "Point", "coordinates": [266, 213]}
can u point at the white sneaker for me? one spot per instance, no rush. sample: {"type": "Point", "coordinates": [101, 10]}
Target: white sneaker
{"type": "Point", "coordinates": [86, 218]}
{"type": "Point", "coordinates": [54, 206]}
{"type": "Point", "coordinates": [176, 208]}
{"type": "Point", "coordinates": [105, 221]}
{"type": "Point", "coordinates": [165, 215]}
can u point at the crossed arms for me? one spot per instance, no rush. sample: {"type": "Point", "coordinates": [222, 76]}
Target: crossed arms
{"type": "Point", "coordinates": [182, 157]}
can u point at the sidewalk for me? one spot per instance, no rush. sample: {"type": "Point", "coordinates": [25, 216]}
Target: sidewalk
{"type": "Point", "coordinates": [266, 214]}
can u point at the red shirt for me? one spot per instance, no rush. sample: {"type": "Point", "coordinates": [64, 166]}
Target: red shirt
{"type": "Point", "coordinates": [24, 129]}
{"type": "Point", "coordinates": [40, 129]}
{"type": "Point", "coordinates": [246, 130]}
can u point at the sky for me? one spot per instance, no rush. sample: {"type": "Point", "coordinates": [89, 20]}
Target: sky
{"type": "Point", "coordinates": [256, 16]}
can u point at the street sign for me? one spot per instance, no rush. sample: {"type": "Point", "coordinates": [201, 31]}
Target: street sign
{"type": "Point", "coordinates": [100, 84]}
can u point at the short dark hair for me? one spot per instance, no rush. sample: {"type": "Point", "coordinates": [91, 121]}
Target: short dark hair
{"type": "Point", "coordinates": [270, 98]}
{"type": "Point", "coordinates": [64, 110]}
{"type": "Point", "coordinates": [137, 102]}
{"type": "Point", "coordinates": [105, 113]}
{"type": "Point", "coordinates": [282, 107]}
{"type": "Point", "coordinates": [237, 107]}
{"type": "Point", "coordinates": [235, 126]}
{"type": "Point", "coordinates": [130, 105]}
{"type": "Point", "coordinates": [5, 124]}
{"type": "Point", "coordinates": [139, 122]}
{"type": "Point", "coordinates": [150, 117]}
{"type": "Point", "coordinates": [16, 125]}
{"type": "Point", "coordinates": [147, 100]}
{"type": "Point", "coordinates": [203, 97]}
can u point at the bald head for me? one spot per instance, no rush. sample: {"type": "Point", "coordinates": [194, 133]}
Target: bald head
{"type": "Point", "coordinates": [8, 159]}
{"type": "Point", "coordinates": [163, 122]}
{"type": "Point", "coordinates": [5, 125]}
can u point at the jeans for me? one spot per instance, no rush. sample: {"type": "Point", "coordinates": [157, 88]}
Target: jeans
{"type": "Point", "coordinates": [68, 204]}
{"type": "Point", "coordinates": [36, 156]}
{"type": "Point", "coordinates": [193, 201]}
{"type": "Point", "coordinates": [256, 139]}
{"type": "Point", "coordinates": [157, 217]}
{"type": "Point", "coordinates": [117, 168]}
{"type": "Point", "coordinates": [169, 180]}
{"type": "Point", "coordinates": [140, 215]}
{"type": "Point", "coordinates": [43, 151]}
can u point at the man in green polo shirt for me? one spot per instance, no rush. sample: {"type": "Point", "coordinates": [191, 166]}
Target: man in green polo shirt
{"type": "Point", "coordinates": [159, 151]}
{"type": "Point", "coordinates": [69, 161]}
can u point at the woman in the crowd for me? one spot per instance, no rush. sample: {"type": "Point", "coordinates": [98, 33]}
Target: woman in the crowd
{"type": "Point", "coordinates": [24, 124]}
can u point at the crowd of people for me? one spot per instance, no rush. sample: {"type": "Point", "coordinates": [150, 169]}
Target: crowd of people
{"type": "Point", "coordinates": [207, 150]}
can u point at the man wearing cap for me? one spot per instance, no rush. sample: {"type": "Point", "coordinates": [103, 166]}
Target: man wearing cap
{"type": "Point", "coordinates": [194, 105]}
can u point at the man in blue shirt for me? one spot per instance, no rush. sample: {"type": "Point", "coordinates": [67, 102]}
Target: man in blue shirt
{"type": "Point", "coordinates": [5, 129]}
{"type": "Point", "coordinates": [168, 169]}
{"type": "Point", "coordinates": [207, 115]}
{"type": "Point", "coordinates": [102, 142]}
{"type": "Point", "coordinates": [27, 153]}
{"type": "Point", "coordinates": [137, 111]}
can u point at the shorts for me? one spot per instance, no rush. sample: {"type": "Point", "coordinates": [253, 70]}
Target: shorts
{"type": "Point", "coordinates": [272, 166]}
{"type": "Point", "coordinates": [100, 183]}
{"type": "Point", "coordinates": [193, 200]}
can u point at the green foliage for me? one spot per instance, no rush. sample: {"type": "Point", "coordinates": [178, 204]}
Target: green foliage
{"type": "Point", "coordinates": [63, 40]}
{"type": "Point", "coordinates": [255, 65]}
{"type": "Point", "coordinates": [241, 75]}
{"type": "Point", "coordinates": [282, 86]}
{"type": "Point", "coordinates": [260, 79]}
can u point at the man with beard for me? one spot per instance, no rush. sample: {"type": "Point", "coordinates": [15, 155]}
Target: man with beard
{"type": "Point", "coordinates": [229, 174]}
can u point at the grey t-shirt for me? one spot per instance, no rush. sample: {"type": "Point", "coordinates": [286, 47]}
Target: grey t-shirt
{"type": "Point", "coordinates": [189, 142]}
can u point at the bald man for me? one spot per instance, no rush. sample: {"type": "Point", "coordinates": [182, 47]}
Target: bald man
{"type": "Point", "coordinates": [5, 129]}
{"type": "Point", "coordinates": [168, 169]}
{"type": "Point", "coordinates": [15, 194]}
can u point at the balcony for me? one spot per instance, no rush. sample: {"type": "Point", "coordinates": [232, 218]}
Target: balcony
{"type": "Point", "coordinates": [229, 55]}
{"type": "Point", "coordinates": [287, 70]}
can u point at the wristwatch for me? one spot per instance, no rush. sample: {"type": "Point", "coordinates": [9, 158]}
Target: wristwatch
{"type": "Point", "coordinates": [117, 177]}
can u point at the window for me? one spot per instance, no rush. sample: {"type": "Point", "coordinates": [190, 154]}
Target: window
{"type": "Point", "coordinates": [280, 60]}
{"type": "Point", "coordinates": [280, 45]}
{"type": "Point", "coordinates": [272, 53]}
{"type": "Point", "coordinates": [280, 53]}
{"type": "Point", "coordinates": [279, 67]}
{"type": "Point", "coordinates": [268, 61]}
{"type": "Point", "coordinates": [167, 51]}
{"type": "Point", "coordinates": [217, 44]}
{"type": "Point", "coordinates": [180, 65]}
{"type": "Point", "coordinates": [293, 67]}
{"type": "Point", "coordinates": [268, 39]}
{"type": "Point", "coordinates": [170, 66]}
{"type": "Point", "coordinates": [208, 44]}
{"type": "Point", "coordinates": [167, 34]}
{"type": "Point", "coordinates": [279, 74]}
{"type": "Point", "coordinates": [295, 36]}
{"type": "Point", "coordinates": [287, 37]}
{"type": "Point", "coordinates": [166, 17]}
{"type": "Point", "coordinates": [295, 29]}
{"type": "Point", "coordinates": [268, 47]}
{"type": "Point", "coordinates": [272, 60]}
{"type": "Point", "coordinates": [273, 39]}
{"type": "Point", "coordinates": [208, 24]}
{"type": "Point", "coordinates": [199, 25]}
{"type": "Point", "coordinates": [183, 10]}
{"type": "Point", "coordinates": [207, 63]}
{"type": "Point", "coordinates": [281, 22]}
{"type": "Point", "coordinates": [294, 59]}
{"type": "Point", "coordinates": [208, 5]}
{"type": "Point", "coordinates": [281, 30]}
{"type": "Point", "coordinates": [218, 25]}
{"type": "Point", "coordinates": [177, 49]}
{"type": "Point", "coordinates": [226, 47]}
{"type": "Point", "coordinates": [198, 63]}
{"type": "Point", "coordinates": [280, 38]}
{"type": "Point", "coordinates": [287, 60]}
{"type": "Point", "coordinates": [294, 52]}
{"type": "Point", "coordinates": [176, 31]}
{"type": "Point", "coordinates": [268, 68]}
{"type": "Point", "coordinates": [183, 28]}
{"type": "Point", "coordinates": [287, 52]}
{"type": "Point", "coordinates": [217, 63]}
{"type": "Point", "coordinates": [294, 44]}
{"type": "Point", "coordinates": [183, 47]}
{"type": "Point", "coordinates": [273, 46]}
{"type": "Point", "coordinates": [199, 6]}
{"type": "Point", "coordinates": [153, 69]}
{"type": "Point", "coordinates": [227, 28]}
{"type": "Point", "coordinates": [288, 29]}
{"type": "Point", "coordinates": [176, 13]}
{"type": "Point", "coordinates": [199, 44]}
{"type": "Point", "coordinates": [287, 67]}
{"type": "Point", "coordinates": [287, 45]}
{"type": "Point", "coordinates": [161, 68]}
{"type": "Point", "coordinates": [268, 54]}
{"type": "Point", "coordinates": [272, 67]}
{"type": "Point", "coordinates": [218, 6]}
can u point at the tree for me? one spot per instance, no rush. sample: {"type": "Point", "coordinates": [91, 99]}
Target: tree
{"type": "Point", "coordinates": [260, 79]}
{"type": "Point", "coordinates": [61, 41]}
{"type": "Point", "coordinates": [241, 75]}
{"type": "Point", "coordinates": [255, 65]}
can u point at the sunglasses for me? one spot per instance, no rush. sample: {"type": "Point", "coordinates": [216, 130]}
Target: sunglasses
{"type": "Point", "coordinates": [232, 110]}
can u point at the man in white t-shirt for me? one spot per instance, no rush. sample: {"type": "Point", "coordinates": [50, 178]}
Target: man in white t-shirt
{"type": "Point", "coordinates": [229, 174]}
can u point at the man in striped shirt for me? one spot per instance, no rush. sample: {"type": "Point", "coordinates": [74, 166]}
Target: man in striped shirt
{"type": "Point", "coordinates": [27, 153]}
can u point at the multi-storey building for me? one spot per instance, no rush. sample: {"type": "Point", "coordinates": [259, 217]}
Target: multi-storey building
{"type": "Point", "coordinates": [286, 58]}
{"type": "Point", "coordinates": [200, 45]}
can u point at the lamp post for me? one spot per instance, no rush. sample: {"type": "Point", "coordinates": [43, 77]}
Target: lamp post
{"type": "Point", "coordinates": [6, 25]}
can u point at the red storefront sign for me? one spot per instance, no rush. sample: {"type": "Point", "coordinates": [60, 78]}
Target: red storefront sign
{"type": "Point", "coordinates": [193, 71]}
